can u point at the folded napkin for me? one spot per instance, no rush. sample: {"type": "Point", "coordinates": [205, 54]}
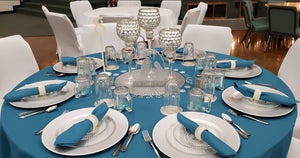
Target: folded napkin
{"type": "Point", "coordinates": [74, 134]}
{"type": "Point", "coordinates": [235, 63]}
{"type": "Point", "coordinates": [179, 50]}
{"type": "Point", "coordinates": [266, 96]}
{"type": "Point", "coordinates": [68, 60]}
{"type": "Point", "coordinates": [40, 90]}
{"type": "Point", "coordinates": [217, 144]}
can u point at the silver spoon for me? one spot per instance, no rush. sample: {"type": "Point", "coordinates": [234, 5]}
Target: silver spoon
{"type": "Point", "coordinates": [30, 113]}
{"type": "Point", "coordinates": [133, 130]}
{"type": "Point", "coordinates": [229, 120]}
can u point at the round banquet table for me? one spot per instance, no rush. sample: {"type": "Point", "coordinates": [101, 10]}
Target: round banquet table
{"type": "Point", "coordinates": [266, 141]}
{"type": "Point", "coordinates": [167, 18]}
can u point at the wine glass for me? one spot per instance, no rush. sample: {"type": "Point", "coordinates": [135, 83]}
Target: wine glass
{"type": "Point", "coordinates": [170, 40]}
{"type": "Point", "coordinates": [149, 19]}
{"type": "Point", "coordinates": [129, 31]}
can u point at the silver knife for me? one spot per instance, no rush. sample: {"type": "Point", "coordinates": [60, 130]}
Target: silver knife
{"type": "Point", "coordinates": [33, 112]}
{"type": "Point", "coordinates": [117, 150]}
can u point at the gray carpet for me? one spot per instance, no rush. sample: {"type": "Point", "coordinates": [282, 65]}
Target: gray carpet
{"type": "Point", "coordinates": [25, 25]}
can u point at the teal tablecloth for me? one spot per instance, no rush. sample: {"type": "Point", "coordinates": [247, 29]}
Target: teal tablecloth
{"type": "Point", "coordinates": [267, 141]}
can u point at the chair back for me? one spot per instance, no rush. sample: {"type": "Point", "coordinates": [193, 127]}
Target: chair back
{"type": "Point", "coordinates": [190, 17]}
{"type": "Point", "coordinates": [109, 37]}
{"type": "Point", "coordinates": [208, 38]}
{"type": "Point", "coordinates": [283, 20]}
{"type": "Point", "coordinates": [173, 5]}
{"type": "Point", "coordinates": [129, 3]}
{"type": "Point", "coordinates": [65, 35]}
{"type": "Point", "coordinates": [248, 12]}
{"type": "Point", "coordinates": [203, 8]}
{"type": "Point", "coordinates": [78, 8]}
{"type": "Point", "coordinates": [17, 62]}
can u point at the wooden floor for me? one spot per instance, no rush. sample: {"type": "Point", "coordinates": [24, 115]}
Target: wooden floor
{"type": "Point", "coordinates": [44, 49]}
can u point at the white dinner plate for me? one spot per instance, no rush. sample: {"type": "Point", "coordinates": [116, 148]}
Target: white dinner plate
{"type": "Point", "coordinates": [236, 100]}
{"type": "Point", "coordinates": [245, 72]}
{"type": "Point", "coordinates": [171, 138]}
{"type": "Point", "coordinates": [109, 131]}
{"type": "Point", "coordinates": [72, 69]}
{"type": "Point", "coordinates": [46, 100]}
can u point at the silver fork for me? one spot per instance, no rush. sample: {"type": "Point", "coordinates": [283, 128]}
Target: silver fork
{"type": "Point", "coordinates": [247, 116]}
{"type": "Point", "coordinates": [148, 139]}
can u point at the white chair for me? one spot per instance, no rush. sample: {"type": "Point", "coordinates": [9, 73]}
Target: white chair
{"type": "Point", "coordinates": [16, 63]}
{"type": "Point", "coordinates": [190, 17]}
{"type": "Point", "coordinates": [68, 42]}
{"type": "Point", "coordinates": [208, 38]}
{"type": "Point", "coordinates": [109, 37]}
{"type": "Point", "coordinates": [78, 8]}
{"type": "Point", "coordinates": [203, 8]}
{"type": "Point", "coordinates": [173, 5]}
{"type": "Point", "coordinates": [128, 3]}
{"type": "Point", "coordinates": [289, 73]}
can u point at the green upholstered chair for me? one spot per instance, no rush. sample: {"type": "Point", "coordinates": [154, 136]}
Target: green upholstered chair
{"type": "Point", "coordinates": [259, 24]}
{"type": "Point", "coordinates": [283, 21]}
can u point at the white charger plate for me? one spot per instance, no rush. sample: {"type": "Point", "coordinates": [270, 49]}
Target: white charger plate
{"type": "Point", "coordinates": [72, 69]}
{"type": "Point", "coordinates": [168, 131]}
{"type": "Point", "coordinates": [109, 131]}
{"type": "Point", "coordinates": [246, 72]}
{"type": "Point", "coordinates": [49, 99]}
{"type": "Point", "coordinates": [236, 100]}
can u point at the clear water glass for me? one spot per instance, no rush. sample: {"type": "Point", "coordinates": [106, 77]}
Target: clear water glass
{"type": "Point", "coordinates": [197, 99]}
{"type": "Point", "coordinates": [210, 61]}
{"type": "Point", "coordinates": [170, 40]}
{"type": "Point", "coordinates": [122, 99]}
{"type": "Point", "coordinates": [200, 63]}
{"type": "Point", "coordinates": [92, 66]}
{"type": "Point", "coordinates": [82, 86]}
{"type": "Point", "coordinates": [83, 67]}
{"type": "Point", "coordinates": [219, 78]}
{"type": "Point", "coordinates": [171, 98]}
{"type": "Point", "coordinates": [110, 59]}
{"type": "Point", "coordinates": [140, 51]}
{"type": "Point", "coordinates": [188, 54]}
{"type": "Point", "coordinates": [208, 83]}
{"type": "Point", "coordinates": [103, 90]}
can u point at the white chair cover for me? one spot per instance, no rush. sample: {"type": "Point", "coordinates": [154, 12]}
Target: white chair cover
{"type": "Point", "coordinates": [294, 148]}
{"type": "Point", "coordinates": [16, 63]}
{"type": "Point", "coordinates": [203, 8]}
{"type": "Point", "coordinates": [68, 44]}
{"type": "Point", "coordinates": [190, 17]}
{"type": "Point", "coordinates": [175, 6]}
{"type": "Point", "coordinates": [208, 38]}
{"type": "Point", "coordinates": [122, 3]}
{"type": "Point", "coordinates": [289, 73]}
{"type": "Point", "coordinates": [77, 9]}
{"type": "Point", "coordinates": [109, 37]}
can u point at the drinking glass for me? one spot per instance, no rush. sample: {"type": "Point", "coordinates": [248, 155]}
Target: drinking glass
{"type": "Point", "coordinates": [149, 19]}
{"type": "Point", "coordinates": [129, 31]}
{"type": "Point", "coordinates": [219, 78]}
{"type": "Point", "coordinates": [83, 67]}
{"type": "Point", "coordinates": [82, 86]}
{"type": "Point", "coordinates": [170, 40]}
{"type": "Point", "coordinates": [200, 63]}
{"type": "Point", "coordinates": [140, 51]}
{"type": "Point", "coordinates": [110, 59]}
{"type": "Point", "coordinates": [103, 90]}
{"type": "Point", "coordinates": [92, 66]}
{"type": "Point", "coordinates": [208, 83]}
{"type": "Point", "coordinates": [196, 101]}
{"type": "Point", "coordinates": [188, 54]}
{"type": "Point", "coordinates": [171, 98]}
{"type": "Point", "coordinates": [210, 61]}
{"type": "Point", "coordinates": [122, 99]}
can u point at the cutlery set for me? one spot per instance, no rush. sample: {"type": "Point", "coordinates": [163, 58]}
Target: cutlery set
{"type": "Point", "coordinates": [37, 111]}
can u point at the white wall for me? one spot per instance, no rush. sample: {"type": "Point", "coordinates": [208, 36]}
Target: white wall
{"type": "Point", "coordinates": [7, 5]}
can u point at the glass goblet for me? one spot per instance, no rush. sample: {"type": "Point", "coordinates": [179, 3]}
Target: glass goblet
{"type": "Point", "coordinates": [170, 40]}
{"type": "Point", "coordinates": [149, 19]}
{"type": "Point", "coordinates": [129, 31]}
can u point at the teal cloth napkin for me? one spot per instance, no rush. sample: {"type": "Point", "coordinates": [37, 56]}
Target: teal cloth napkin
{"type": "Point", "coordinates": [21, 93]}
{"type": "Point", "coordinates": [217, 144]}
{"type": "Point", "coordinates": [179, 50]}
{"type": "Point", "coordinates": [266, 96]}
{"type": "Point", "coordinates": [68, 60]}
{"type": "Point", "coordinates": [239, 63]}
{"type": "Point", "coordinates": [74, 134]}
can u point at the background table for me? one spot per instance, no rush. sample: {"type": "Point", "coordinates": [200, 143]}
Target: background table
{"type": "Point", "coordinates": [18, 139]}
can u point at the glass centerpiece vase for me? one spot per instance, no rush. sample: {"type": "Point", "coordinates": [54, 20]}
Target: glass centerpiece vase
{"type": "Point", "coordinates": [128, 30]}
{"type": "Point", "coordinates": [170, 40]}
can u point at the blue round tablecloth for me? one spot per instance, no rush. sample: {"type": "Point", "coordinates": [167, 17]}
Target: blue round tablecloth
{"type": "Point", "coordinates": [267, 141]}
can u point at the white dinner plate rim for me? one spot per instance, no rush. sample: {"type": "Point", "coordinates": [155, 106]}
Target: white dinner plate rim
{"type": "Point", "coordinates": [283, 110]}
{"type": "Point", "coordinates": [171, 151]}
{"type": "Point", "coordinates": [28, 104]}
{"type": "Point", "coordinates": [255, 70]}
{"type": "Point", "coordinates": [120, 120]}
{"type": "Point", "coordinates": [58, 67]}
